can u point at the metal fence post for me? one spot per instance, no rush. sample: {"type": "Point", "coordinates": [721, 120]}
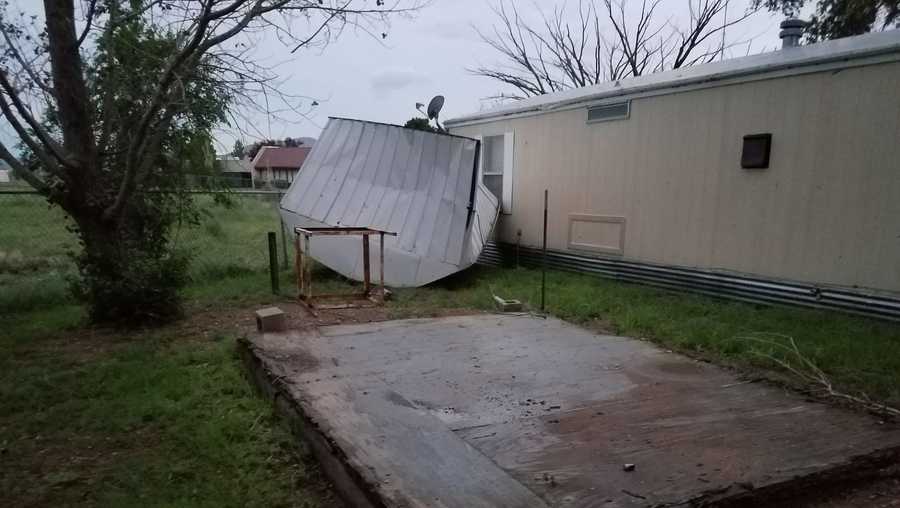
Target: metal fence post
{"type": "Point", "coordinates": [284, 249]}
{"type": "Point", "coordinates": [273, 261]}
{"type": "Point", "coordinates": [544, 254]}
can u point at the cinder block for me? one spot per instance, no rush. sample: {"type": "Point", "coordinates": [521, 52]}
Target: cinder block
{"type": "Point", "coordinates": [270, 319]}
{"type": "Point", "coordinates": [507, 305]}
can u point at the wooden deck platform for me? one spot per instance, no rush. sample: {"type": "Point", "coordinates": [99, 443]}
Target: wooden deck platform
{"type": "Point", "coordinates": [514, 411]}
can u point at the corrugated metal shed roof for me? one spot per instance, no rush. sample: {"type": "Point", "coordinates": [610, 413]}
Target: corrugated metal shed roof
{"type": "Point", "coordinates": [281, 157]}
{"type": "Point", "coordinates": [421, 185]}
{"type": "Point", "coordinates": [796, 59]}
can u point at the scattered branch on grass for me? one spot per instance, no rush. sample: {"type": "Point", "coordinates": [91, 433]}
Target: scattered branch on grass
{"type": "Point", "coordinates": [796, 363]}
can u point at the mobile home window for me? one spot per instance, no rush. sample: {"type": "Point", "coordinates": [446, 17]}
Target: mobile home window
{"type": "Point", "coordinates": [607, 112]}
{"type": "Point", "coordinates": [492, 170]}
{"type": "Point", "coordinates": [497, 167]}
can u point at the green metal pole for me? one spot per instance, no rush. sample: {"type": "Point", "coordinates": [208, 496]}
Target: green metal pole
{"type": "Point", "coordinates": [284, 255]}
{"type": "Point", "coordinates": [273, 261]}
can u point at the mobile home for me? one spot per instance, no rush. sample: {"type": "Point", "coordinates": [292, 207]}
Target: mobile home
{"type": "Point", "coordinates": [771, 177]}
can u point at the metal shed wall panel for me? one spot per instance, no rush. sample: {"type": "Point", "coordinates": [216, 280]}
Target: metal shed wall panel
{"type": "Point", "coordinates": [415, 183]}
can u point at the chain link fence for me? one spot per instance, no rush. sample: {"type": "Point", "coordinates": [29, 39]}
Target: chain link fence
{"type": "Point", "coordinates": [228, 241]}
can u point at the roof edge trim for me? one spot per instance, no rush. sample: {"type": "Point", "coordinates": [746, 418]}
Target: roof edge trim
{"type": "Point", "coordinates": [401, 127]}
{"type": "Point", "coordinates": [846, 58]}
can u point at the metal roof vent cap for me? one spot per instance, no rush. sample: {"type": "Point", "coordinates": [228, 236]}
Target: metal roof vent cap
{"type": "Point", "coordinates": [791, 31]}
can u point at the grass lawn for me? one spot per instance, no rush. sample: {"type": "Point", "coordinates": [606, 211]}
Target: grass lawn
{"type": "Point", "coordinates": [155, 418]}
{"type": "Point", "coordinates": [161, 418]}
{"type": "Point", "coordinates": [164, 417]}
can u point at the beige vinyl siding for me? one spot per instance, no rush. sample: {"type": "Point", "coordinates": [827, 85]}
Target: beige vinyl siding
{"type": "Point", "coordinates": [827, 210]}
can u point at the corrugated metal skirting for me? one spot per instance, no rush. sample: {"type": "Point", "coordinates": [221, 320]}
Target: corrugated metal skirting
{"type": "Point", "coordinates": [724, 285]}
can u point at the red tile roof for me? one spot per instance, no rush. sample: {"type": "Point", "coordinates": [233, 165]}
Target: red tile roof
{"type": "Point", "coordinates": [281, 157]}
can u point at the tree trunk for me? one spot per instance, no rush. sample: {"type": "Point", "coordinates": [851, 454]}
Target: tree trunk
{"type": "Point", "coordinates": [129, 274]}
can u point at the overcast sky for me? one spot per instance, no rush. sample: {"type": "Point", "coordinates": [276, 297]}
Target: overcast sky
{"type": "Point", "coordinates": [361, 77]}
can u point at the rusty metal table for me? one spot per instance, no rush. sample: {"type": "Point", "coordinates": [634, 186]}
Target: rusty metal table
{"type": "Point", "coordinates": [303, 266]}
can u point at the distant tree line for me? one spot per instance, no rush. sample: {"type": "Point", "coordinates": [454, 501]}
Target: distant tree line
{"type": "Point", "coordinates": [240, 151]}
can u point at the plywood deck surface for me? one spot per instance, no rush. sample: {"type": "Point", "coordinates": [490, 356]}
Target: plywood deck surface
{"type": "Point", "coordinates": [521, 411]}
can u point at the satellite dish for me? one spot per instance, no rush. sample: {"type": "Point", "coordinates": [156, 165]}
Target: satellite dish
{"type": "Point", "coordinates": [434, 110]}
{"type": "Point", "coordinates": [434, 107]}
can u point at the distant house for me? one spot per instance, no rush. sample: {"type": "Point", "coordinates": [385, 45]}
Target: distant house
{"type": "Point", "coordinates": [275, 166]}
{"type": "Point", "coordinates": [237, 172]}
{"type": "Point", "coordinates": [5, 172]}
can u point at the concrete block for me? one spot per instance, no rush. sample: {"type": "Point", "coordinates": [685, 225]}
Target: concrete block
{"type": "Point", "coordinates": [270, 319]}
{"type": "Point", "coordinates": [507, 305]}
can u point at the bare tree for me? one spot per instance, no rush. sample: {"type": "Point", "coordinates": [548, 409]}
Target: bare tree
{"type": "Point", "coordinates": [108, 97]}
{"type": "Point", "coordinates": [601, 43]}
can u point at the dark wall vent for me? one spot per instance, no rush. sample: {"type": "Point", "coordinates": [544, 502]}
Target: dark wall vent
{"type": "Point", "coordinates": [755, 154]}
{"type": "Point", "coordinates": [607, 112]}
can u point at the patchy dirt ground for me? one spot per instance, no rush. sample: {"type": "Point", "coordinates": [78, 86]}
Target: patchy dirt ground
{"type": "Point", "coordinates": [203, 324]}
{"type": "Point", "coordinates": [210, 321]}
{"type": "Point", "coordinates": [881, 494]}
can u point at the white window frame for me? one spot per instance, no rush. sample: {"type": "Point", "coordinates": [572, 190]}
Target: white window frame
{"type": "Point", "coordinates": [507, 171]}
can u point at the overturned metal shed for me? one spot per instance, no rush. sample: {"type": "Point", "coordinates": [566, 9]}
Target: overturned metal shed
{"type": "Point", "coordinates": [422, 185]}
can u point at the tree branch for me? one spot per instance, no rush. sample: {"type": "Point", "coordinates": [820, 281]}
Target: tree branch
{"type": "Point", "coordinates": [563, 52]}
{"type": "Point", "coordinates": [49, 163]}
{"type": "Point", "coordinates": [70, 90]}
{"type": "Point", "coordinates": [49, 144]}
{"type": "Point", "coordinates": [139, 140]}
{"type": "Point", "coordinates": [88, 21]}
{"type": "Point", "coordinates": [11, 48]}
{"type": "Point", "coordinates": [21, 171]}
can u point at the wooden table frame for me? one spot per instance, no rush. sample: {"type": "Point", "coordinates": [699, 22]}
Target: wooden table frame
{"type": "Point", "coordinates": [303, 266]}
